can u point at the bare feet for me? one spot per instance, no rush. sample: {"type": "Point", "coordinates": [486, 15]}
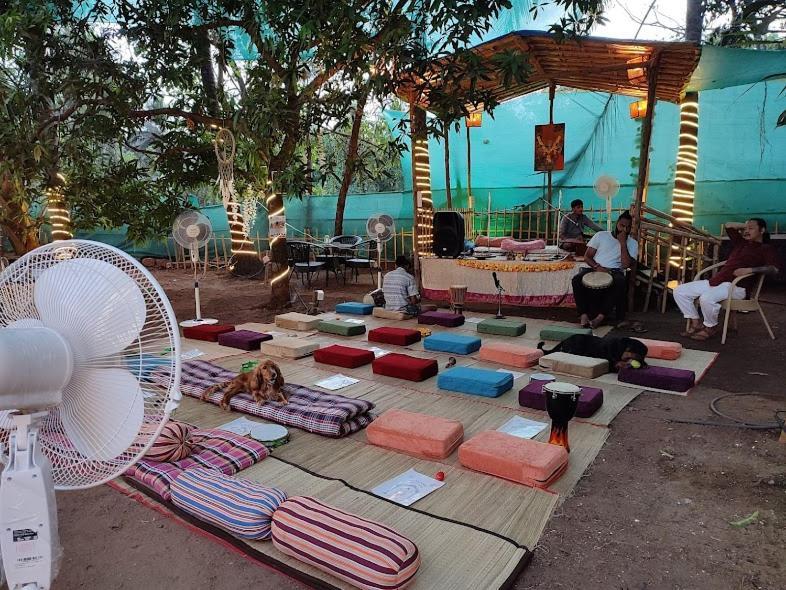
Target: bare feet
{"type": "Point", "coordinates": [704, 334]}
{"type": "Point", "coordinates": [693, 327]}
{"type": "Point", "coordinates": [597, 321]}
{"type": "Point", "coordinates": [584, 321]}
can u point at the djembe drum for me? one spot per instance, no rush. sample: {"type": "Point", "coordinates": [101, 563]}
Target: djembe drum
{"type": "Point", "coordinates": [597, 280]}
{"type": "Point", "coordinates": [457, 295]}
{"type": "Point", "coordinates": [562, 399]}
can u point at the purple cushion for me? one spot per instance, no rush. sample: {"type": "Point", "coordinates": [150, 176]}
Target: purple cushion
{"type": "Point", "coordinates": [243, 339]}
{"type": "Point", "coordinates": [659, 378]}
{"type": "Point", "coordinates": [590, 401]}
{"type": "Point", "coordinates": [441, 318]}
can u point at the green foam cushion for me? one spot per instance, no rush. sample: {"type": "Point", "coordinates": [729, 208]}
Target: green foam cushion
{"type": "Point", "coordinates": [502, 327]}
{"type": "Point", "coordinates": [341, 328]}
{"type": "Point", "coordinates": [560, 333]}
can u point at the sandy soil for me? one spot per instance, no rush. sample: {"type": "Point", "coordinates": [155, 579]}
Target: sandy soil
{"type": "Point", "coordinates": [652, 512]}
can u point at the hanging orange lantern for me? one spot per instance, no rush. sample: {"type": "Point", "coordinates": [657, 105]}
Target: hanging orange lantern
{"type": "Point", "coordinates": [638, 109]}
{"type": "Point", "coordinates": [474, 120]}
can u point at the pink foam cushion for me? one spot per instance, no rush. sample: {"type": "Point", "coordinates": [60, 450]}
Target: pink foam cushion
{"type": "Point", "coordinates": [524, 461]}
{"type": "Point", "coordinates": [491, 243]}
{"type": "Point", "coordinates": [406, 367]}
{"type": "Point", "coordinates": [207, 332]}
{"type": "Point", "coordinates": [518, 246]}
{"type": "Point", "coordinates": [343, 356]}
{"type": "Point", "coordinates": [398, 336]}
{"type": "Point", "coordinates": [429, 437]}
{"type": "Point", "coordinates": [662, 349]}
{"type": "Point", "coordinates": [364, 553]}
{"type": "Point", "coordinates": [514, 355]}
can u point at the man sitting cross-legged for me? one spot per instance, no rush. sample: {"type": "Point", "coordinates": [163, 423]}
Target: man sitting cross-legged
{"type": "Point", "coordinates": [401, 289]}
{"type": "Point", "coordinates": [571, 229]}
{"type": "Point", "coordinates": [610, 252]}
{"type": "Point", "coordinates": [750, 253]}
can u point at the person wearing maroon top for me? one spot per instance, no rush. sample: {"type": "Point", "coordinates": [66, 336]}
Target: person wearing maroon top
{"type": "Point", "coordinates": [750, 253]}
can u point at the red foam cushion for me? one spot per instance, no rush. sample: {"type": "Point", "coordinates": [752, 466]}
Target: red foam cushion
{"type": "Point", "coordinates": [343, 356]}
{"type": "Point", "coordinates": [208, 332]}
{"type": "Point", "coordinates": [399, 336]}
{"type": "Point", "coordinates": [404, 366]}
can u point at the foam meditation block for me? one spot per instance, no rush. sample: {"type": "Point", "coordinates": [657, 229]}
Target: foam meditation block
{"type": "Point", "coordinates": [364, 553]}
{"type": "Point", "coordinates": [483, 382]}
{"type": "Point", "coordinates": [288, 347]}
{"type": "Point", "coordinates": [533, 396]}
{"type": "Point", "coordinates": [404, 366]}
{"type": "Point", "coordinates": [662, 349]}
{"type": "Point", "coordinates": [343, 356]}
{"type": "Point", "coordinates": [514, 355]}
{"type": "Point", "coordinates": [341, 328]}
{"type": "Point", "coordinates": [560, 333]}
{"type": "Point", "coordinates": [441, 318]}
{"type": "Point", "coordinates": [240, 507]}
{"type": "Point", "coordinates": [529, 462]}
{"type": "Point", "coordinates": [355, 308]}
{"type": "Point", "coordinates": [243, 339]}
{"type": "Point", "coordinates": [506, 327]}
{"type": "Point", "coordinates": [207, 332]}
{"type": "Point", "coordinates": [428, 437]}
{"type": "Point", "coordinates": [573, 364]}
{"type": "Point", "coordinates": [659, 378]}
{"type": "Point", "coordinates": [398, 336]}
{"type": "Point", "coordinates": [389, 314]}
{"type": "Point", "coordinates": [297, 321]}
{"type": "Point", "coordinates": [455, 343]}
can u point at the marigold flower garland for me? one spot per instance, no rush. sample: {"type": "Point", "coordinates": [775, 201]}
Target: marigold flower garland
{"type": "Point", "coordinates": [518, 266]}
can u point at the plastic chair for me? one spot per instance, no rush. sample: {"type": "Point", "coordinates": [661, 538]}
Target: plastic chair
{"type": "Point", "coordinates": [301, 261]}
{"type": "Point", "coordinates": [746, 305]}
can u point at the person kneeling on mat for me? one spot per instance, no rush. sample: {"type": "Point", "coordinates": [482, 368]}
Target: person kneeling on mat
{"type": "Point", "coordinates": [611, 253]}
{"type": "Point", "coordinates": [401, 289]}
{"type": "Point", "coordinates": [750, 253]}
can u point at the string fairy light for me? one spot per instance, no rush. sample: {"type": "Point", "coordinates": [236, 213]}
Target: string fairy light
{"type": "Point", "coordinates": [58, 213]}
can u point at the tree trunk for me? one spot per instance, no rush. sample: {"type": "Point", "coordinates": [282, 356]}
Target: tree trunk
{"type": "Point", "coordinates": [448, 197]}
{"type": "Point", "coordinates": [207, 74]}
{"type": "Point", "coordinates": [349, 163]}
{"type": "Point", "coordinates": [18, 224]}
{"type": "Point", "coordinates": [694, 21]}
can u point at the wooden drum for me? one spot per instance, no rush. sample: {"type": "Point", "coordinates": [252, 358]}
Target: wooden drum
{"type": "Point", "coordinates": [597, 280]}
{"type": "Point", "coordinates": [457, 295]}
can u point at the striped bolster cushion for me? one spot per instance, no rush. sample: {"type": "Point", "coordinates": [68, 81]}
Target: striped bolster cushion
{"type": "Point", "coordinates": [240, 507]}
{"type": "Point", "coordinates": [362, 552]}
{"type": "Point", "coordinates": [173, 444]}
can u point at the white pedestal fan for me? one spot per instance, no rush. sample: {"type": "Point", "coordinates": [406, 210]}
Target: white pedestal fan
{"type": "Point", "coordinates": [192, 230]}
{"type": "Point", "coordinates": [607, 187]}
{"type": "Point", "coordinates": [381, 228]}
{"type": "Point", "coordinates": [82, 327]}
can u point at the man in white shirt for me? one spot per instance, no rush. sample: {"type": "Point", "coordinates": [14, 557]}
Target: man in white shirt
{"type": "Point", "coordinates": [401, 289]}
{"type": "Point", "coordinates": [613, 253]}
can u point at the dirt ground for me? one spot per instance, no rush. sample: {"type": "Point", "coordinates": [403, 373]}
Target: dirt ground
{"type": "Point", "coordinates": [653, 511]}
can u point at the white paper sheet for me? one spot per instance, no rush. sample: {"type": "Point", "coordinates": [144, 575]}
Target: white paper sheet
{"type": "Point", "coordinates": [407, 488]}
{"type": "Point", "coordinates": [354, 320]}
{"type": "Point", "coordinates": [190, 354]}
{"type": "Point", "coordinates": [240, 426]}
{"type": "Point", "coordinates": [378, 352]}
{"type": "Point", "coordinates": [337, 381]}
{"type": "Point", "coordinates": [472, 320]}
{"type": "Point", "coordinates": [522, 427]}
{"type": "Point", "coordinates": [515, 374]}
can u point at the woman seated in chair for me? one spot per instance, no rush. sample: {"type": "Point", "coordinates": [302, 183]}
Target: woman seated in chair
{"type": "Point", "coordinates": [750, 253]}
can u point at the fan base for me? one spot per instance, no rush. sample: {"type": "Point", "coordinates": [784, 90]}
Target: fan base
{"type": "Point", "coordinates": [202, 322]}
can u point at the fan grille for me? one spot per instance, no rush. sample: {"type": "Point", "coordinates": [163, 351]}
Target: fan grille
{"type": "Point", "coordinates": [192, 229]}
{"type": "Point", "coordinates": [152, 359]}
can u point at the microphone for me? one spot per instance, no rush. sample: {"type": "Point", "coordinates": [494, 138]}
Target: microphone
{"type": "Point", "coordinates": [496, 281]}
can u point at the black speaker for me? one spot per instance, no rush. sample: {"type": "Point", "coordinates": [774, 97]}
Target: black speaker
{"type": "Point", "coordinates": [448, 236]}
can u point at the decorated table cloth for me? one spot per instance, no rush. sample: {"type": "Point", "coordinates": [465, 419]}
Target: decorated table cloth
{"type": "Point", "coordinates": [308, 409]}
{"type": "Point", "coordinates": [544, 284]}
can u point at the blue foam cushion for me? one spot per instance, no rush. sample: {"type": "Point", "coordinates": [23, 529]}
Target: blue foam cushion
{"type": "Point", "coordinates": [355, 308]}
{"type": "Point", "coordinates": [455, 343]}
{"type": "Point", "coordinates": [475, 381]}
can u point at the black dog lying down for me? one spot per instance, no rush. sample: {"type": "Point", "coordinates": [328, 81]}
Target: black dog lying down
{"type": "Point", "coordinates": [619, 351]}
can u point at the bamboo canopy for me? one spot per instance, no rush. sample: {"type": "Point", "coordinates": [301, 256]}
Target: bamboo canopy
{"type": "Point", "coordinates": [588, 63]}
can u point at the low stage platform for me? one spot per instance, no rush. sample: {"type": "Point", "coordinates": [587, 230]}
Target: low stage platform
{"type": "Point", "coordinates": [537, 284]}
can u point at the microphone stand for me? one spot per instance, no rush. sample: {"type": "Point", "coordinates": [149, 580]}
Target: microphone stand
{"type": "Point", "coordinates": [499, 315]}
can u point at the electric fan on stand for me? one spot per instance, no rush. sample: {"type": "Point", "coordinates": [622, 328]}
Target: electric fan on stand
{"type": "Point", "coordinates": [607, 187]}
{"type": "Point", "coordinates": [192, 230]}
{"type": "Point", "coordinates": [82, 327]}
{"type": "Point", "coordinates": [381, 228]}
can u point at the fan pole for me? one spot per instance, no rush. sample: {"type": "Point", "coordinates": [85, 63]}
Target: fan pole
{"type": "Point", "coordinates": [379, 264]}
{"type": "Point", "coordinates": [198, 303]}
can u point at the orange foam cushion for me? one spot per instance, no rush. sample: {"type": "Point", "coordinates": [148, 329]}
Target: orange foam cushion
{"type": "Point", "coordinates": [524, 461]}
{"type": "Point", "coordinates": [429, 437]}
{"type": "Point", "coordinates": [514, 355]}
{"type": "Point", "coordinates": [662, 349]}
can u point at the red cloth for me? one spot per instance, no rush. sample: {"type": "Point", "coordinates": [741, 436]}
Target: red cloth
{"type": "Point", "coordinates": [207, 332]}
{"type": "Point", "coordinates": [343, 356]}
{"type": "Point", "coordinates": [406, 367]}
{"type": "Point", "coordinates": [398, 336]}
{"type": "Point", "coordinates": [745, 254]}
